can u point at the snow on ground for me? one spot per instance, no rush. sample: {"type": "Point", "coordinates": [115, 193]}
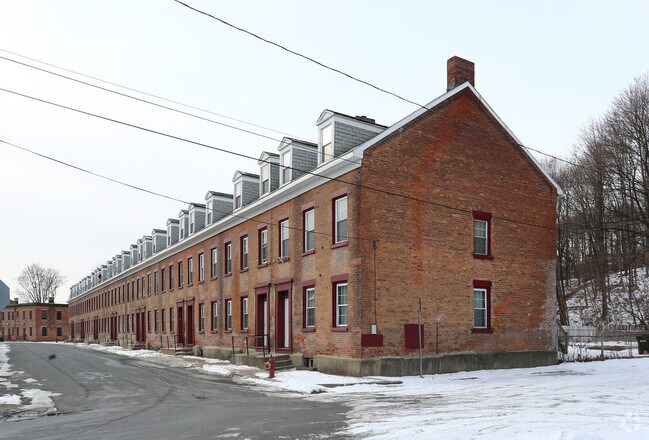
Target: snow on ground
{"type": "Point", "coordinates": [593, 400]}
{"type": "Point", "coordinates": [585, 351]}
{"type": "Point", "coordinates": [569, 401]}
{"type": "Point", "coordinates": [30, 402]}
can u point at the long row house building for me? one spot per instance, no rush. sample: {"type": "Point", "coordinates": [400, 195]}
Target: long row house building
{"type": "Point", "coordinates": [326, 254]}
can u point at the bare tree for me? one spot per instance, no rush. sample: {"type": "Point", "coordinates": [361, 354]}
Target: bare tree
{"type": "Point", "coordinates": [36, 284]}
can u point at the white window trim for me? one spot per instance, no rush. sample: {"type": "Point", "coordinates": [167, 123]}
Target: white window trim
{"type": "Point", "coordinates": [339, 306]}
{"type": "Point", "coordinates": [305, 215]}
{"type": "Point", "coordinates": [484, 309]}
{"type": "Point", "coordinates": [307, 308]}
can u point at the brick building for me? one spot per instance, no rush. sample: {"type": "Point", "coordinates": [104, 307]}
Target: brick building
{"type": "Point", "coordinates": [327, 252]}
{"type": "Point", "coordinates": [35, 322]}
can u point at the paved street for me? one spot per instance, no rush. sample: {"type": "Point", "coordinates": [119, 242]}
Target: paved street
{"type": "Point", "coordinates": [103, 396]}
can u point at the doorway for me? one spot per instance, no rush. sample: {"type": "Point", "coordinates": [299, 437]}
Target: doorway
{"type": "Point", "coordinates": [261, 324]}
{"type": "Point", "coordinates": [180, 328]}
{"type": "Point", "coordinates": [190, 324]}
{"type": "Point", "coordinates": [283, 321]}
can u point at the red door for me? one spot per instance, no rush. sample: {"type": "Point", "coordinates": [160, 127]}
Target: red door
{"type": "Point", "coordinates": [261, 325]}
{"type": "Point", "coordinates": [180, 330]}
{"type": "Point", "coordinates": [190, 325]}
{"type": "Point", "coordinates": [283, 321]}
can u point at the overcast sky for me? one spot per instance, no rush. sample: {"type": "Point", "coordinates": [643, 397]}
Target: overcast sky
{"type": "Point", "coordinates": [545, 67]}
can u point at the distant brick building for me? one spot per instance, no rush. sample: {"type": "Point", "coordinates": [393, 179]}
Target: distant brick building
{"type": "Point", "coordinates": [327, 251]}
{"type": "Point", "coordinates": [35, 322]}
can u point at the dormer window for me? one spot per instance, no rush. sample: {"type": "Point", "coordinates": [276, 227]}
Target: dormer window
{"type": "Point", "coordinates": [191, 222]}
{"type": "Point", "coordinates": [182, 229]}
{"type": "Point", "coordinates": [286, 167]}
{"type": "Point", "coordinates": [237, 195]}
{"type": "Point", "coordinates": [327, 143]}
{"type": "Point", "coordinates": [209, 212]}
{"type": "Point", "coordinates": [265, 179]}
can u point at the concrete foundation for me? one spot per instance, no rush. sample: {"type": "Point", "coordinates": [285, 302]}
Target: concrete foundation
{"type": "Point", "coordinates": [223, 353]}
{"type": "Point", "coordinates": [448, 363]}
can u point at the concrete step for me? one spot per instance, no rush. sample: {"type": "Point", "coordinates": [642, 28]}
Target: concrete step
{"type": "Point", "coordinates": [179, 351]}
{"type": "Point", "coordinates": [282, 361]}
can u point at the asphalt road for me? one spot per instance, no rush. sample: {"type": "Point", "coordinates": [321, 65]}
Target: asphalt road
{"type": "Point", "coordinates": [104, 396]}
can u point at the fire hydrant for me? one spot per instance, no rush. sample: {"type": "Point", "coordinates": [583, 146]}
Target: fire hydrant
{"type": "Point", "coordinates": [271, 367]}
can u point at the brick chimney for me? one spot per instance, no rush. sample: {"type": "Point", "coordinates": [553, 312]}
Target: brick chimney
{"type": "Point", "coordinates": [458, 71]}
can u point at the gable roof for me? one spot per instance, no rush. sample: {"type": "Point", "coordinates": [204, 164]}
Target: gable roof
{"type": "Point", "coordinates": [358, 151]}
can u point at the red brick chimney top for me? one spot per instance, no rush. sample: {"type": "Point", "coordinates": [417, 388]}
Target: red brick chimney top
{"type": "Point", "coordinates": [459, 71]}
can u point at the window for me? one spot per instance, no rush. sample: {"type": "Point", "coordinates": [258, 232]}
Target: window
{"type": "Point", "coordinates": [340, 290]}
{"type": "Point", "coordinates": [182, 227]}
{"type": "Point", "coordinates": [190, 271]}
{"type": "Point", "coordinates": [237, 195]}
{"type": "Point", "coordinates": [44, 314]}
{"type": "Point", "coordinates": [283, 238]}
{"type": "Point", "coordinates": [309, 307]}
{"type": "Point", "coordinates": [156, 279]}
{"type": "Point", "coordinates": [209, 212]}
{"type": "Point", "coordinates": [180, 274]}
{"type": "Point", "coordinates": [162, 279]}
{"type": "Point", "coordinates": [44, 331]}
{"type": "Point", "coordinates": [286, 167]}
{"type": "Point", "coordinates": [244, 252]}
{"type": "Point", "coordinates": [59, 315]}
{"type": "Point", "coordinates": [482, 235]}
{"type": "Point", "coordinates": [156, 321]}
{"type": "Point", "coordinates": [340, 220]}
{"type": "Point", "coordinates": [265, 179]}
{"type": "Point", "coordinates": [481, 306]}
{"type": "Point", "coordinates": [309, 230]}
{"type": "Point", "coordinates": [148, 320]}
{"type": "Point", "coordinates": [59, 331]}
{"type": "Point", "coordinates": [164, 320]}
{"type": "Point", "coordinates": [244, 313]}
{"type": "Point", "coordinates": [263, 246]}
{"type": "Point", "coordinates": [192, 216]}
{"type": "Point", "coordinates": [201, 268]}
{"type": "Point", "coordinates": [201, 317]}
{"type": "Point", "coordinates": [171, 277]}
{"type": "Point", "coordinates": [228, 258]}
{"type": "Point", "coordinates": [327, 144]}
{"type": "Point", "coordinates": [228, 314]}
{"type": "Point", "coordinates": [215, 315]}
{"type": "Point", "coordinates": [171, 320]}
{"type": "Point", "coordinates": [138, 287]}
{"type": "Point", "coordinates": [148, 284]}
{"type": "Point", "coordinates": [215, 262]}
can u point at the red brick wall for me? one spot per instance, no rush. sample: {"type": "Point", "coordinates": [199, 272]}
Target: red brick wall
{"type": "Point", "coordinates": [422, 250]}
{"type": "Point", "coordinates": [13, 328]}
{"type": "Point", "coordinates": [425, 250]}
{"type": "Point", "coordinates": [319, 266]}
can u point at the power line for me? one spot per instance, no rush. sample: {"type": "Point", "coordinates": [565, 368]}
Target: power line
{"type": "Point", "coordinates": [141, 99]}
{"type": "Point", "coordinates": [138, 188]}
{"type": "Point", "coordinates": [101, 176]}
{"type": "Point", "coordinates": [245, 156]}
{"type": "Point", "coordinates": [321, 64]}
{"type": "Point", "coordinates": [254, 133]}
{"type": "Point", "coordinates": [137, 91]}
{"type": "Point", "coordinates": [166, 107]}
{"type": "Point", "coordinates": [333, 69]}
{"type": "Point", "coordinates": [227, 117]}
